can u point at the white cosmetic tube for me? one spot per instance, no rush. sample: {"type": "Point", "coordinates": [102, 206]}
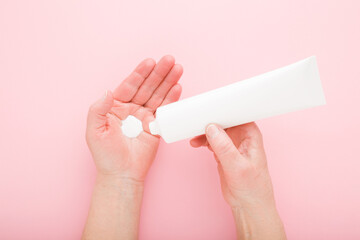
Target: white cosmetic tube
{"type": "Point", "coordinates": [287, 89]}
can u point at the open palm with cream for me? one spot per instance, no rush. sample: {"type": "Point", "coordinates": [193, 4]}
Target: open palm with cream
{"type": "Point", "coordinates": [149, 86]}
{"type": "Point", "coordinates": [122, 159]}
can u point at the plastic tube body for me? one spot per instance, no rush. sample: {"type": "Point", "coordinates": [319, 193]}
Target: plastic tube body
{"type": "Point", "coordinates": [287, 89]}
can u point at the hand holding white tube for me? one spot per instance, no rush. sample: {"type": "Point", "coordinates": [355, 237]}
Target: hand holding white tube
{"type": "Point", "coordinates": [245, 179]}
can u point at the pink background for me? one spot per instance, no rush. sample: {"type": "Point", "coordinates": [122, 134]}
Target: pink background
{"type": "Point", "coordinates": [57, 57]}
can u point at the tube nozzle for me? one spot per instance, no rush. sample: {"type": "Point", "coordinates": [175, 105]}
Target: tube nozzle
{"type": "Point", "coordinates": [154, 128]}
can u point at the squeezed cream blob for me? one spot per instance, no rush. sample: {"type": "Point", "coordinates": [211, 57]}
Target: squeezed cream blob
{"type": "Point", "coordinates": [131, 126]}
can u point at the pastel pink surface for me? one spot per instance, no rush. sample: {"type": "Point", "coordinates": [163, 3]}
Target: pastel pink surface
{"type": "Point", "coordinates": [57, 57]}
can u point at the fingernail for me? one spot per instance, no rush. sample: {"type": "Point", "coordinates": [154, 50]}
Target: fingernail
{"type": "Point", "coordinates": [105, 95]}
{"type": "Point", "coordinates": [212, 131]}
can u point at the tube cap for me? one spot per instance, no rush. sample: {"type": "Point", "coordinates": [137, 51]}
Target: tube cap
{"type": "Point", "coordinates": [154, 128]}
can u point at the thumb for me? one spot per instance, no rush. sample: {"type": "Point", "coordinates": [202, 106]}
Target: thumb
{"type": "Point", "coordinates": [221, 144]}
{"type": "Point", "coordinates": [97, 112]}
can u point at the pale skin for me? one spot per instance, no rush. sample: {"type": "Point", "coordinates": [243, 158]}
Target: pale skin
{"type": "Point", "coordinates": [122, 163]}
{"type": "Point", "coordinates": [245, 180]}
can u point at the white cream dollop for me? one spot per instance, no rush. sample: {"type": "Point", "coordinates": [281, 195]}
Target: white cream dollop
{"type": "Point", "coordinates": [131, 126]}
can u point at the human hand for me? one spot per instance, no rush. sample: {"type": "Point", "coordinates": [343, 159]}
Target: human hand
{"type": "Point", "coordinates": [241, 161]}
{"type": "Point", "coordinates": [245, 180]}
{"type": "Point", "coordinates": [149, 86]}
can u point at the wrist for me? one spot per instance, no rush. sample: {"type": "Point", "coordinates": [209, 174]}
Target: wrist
{"type": "Point", "coordinates": [258, 221]}
{"type": "Point", "coordinates": [115, 183]}
{"type": "Point", "coordinates": [254, 210]}
{"type": "Point", "coordinates": [253, 202]}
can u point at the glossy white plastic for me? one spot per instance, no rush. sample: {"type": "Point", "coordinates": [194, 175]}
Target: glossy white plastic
{"type": "Point", "coordinates": [287, 89]}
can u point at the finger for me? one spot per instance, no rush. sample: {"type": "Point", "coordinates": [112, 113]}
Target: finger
{"type": "Point", "coordinates": [129, 87]}
{"type": "Point", "coordinates": [254, 133]}
{"type": "Point", "coordinates": [97, 113]}
{"type": "Point", "coordinates": [246, 137]}
{"type": "Point", "coordinates": [198, 141]}
{"type": "Point", "coordinates": [143, 115]}
{"type": "Point", "coordinates": [173, 95]}
{"type": "Point", "coordinates": [160, 93]}
{"type": "Point", "coordinates": [146, 117]}
{"type": "Point", "coordinates": [158, 74]}
{"type": "Point", "coordinates": [221, 144]}
{"type": "Point", "coordinates": [252, 146]}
